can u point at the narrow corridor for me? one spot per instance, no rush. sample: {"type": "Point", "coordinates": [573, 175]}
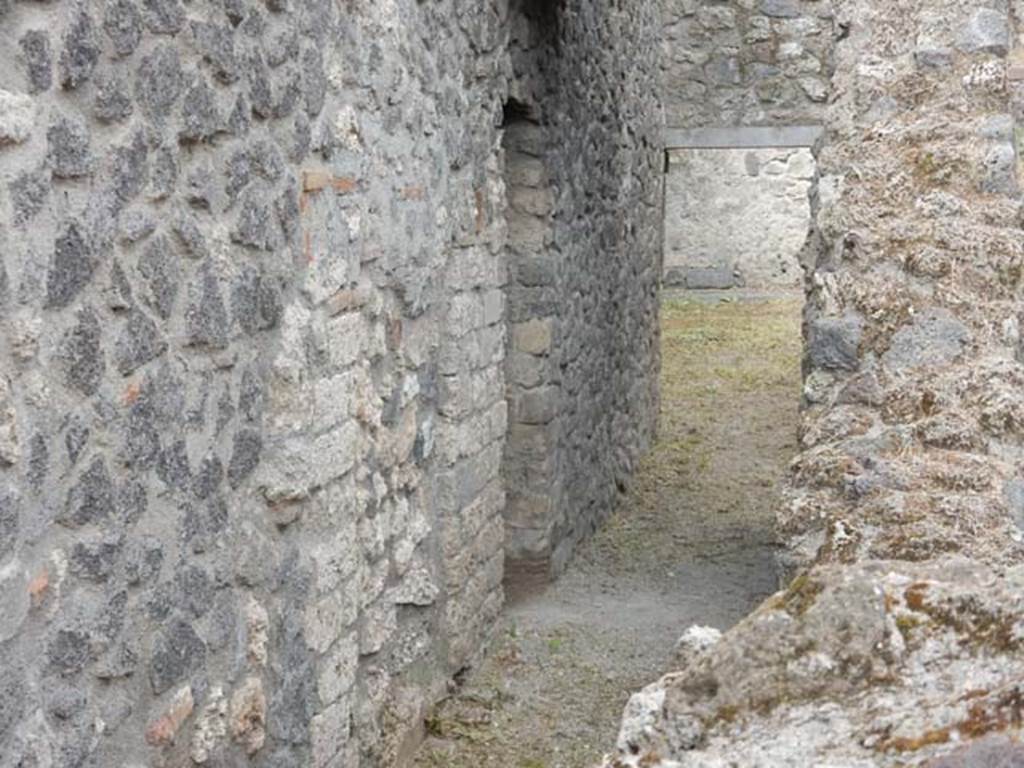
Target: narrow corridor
{"type": "Point", "coordinates": [691, 543]}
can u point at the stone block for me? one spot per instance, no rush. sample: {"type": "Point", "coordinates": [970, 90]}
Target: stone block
{"type": "Point", "coordinates": [933, 338]}
{"type": "Point", "coordinates": [294, 467]}
{"type": "Point", "coordinates": [338, 671]}
{"type": "Point", "coordinates": [834, 343]}
{"type": "Point", "coordinates": [536, 406]}
{"type": "Point", "coordinates": [986, 31]}
{"type": "Point", "coordinates": [702, 278]}
{"type": "Point", "coordinates": [329, 618]}
{"type": "Point", "coordinates": [533, 337]}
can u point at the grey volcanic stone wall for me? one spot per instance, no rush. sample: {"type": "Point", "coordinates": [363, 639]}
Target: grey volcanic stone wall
{"type": "Point", "coordinates": [252, 341]}
{"type": "Point", "coordinates": [747, 62]}
{"type": "Point", "coordinates": [584, 169]}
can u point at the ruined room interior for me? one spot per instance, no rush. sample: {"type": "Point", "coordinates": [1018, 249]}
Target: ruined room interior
{"type": "Point", "coordinates": [511, 384]}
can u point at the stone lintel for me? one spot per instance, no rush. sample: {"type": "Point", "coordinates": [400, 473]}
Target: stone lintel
{"type": "Point", "coordinates": [743, 137]}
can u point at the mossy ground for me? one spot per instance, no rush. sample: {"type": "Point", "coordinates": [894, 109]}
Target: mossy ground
{"type": "Point", "coordinates": [691, 543]}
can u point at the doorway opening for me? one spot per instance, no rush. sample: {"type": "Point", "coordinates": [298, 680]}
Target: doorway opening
{"type": "Point", "coordinates": [690, 543]}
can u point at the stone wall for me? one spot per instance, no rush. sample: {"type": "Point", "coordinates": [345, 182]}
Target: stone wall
{"type": "Point", "coordinates": [738, 63]}
{"type": "Point", "coordinates": [585, 250]}
{"type": "Point", "coordinates": [898, 639]}
{"type": "Point", "coordinates": [737, 217]}
{"type": "Point", "coordinates": [746, 62]}
{"type": "Point", "coordinates": [253, 320]}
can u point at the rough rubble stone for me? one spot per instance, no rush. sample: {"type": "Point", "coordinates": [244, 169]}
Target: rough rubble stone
{"type": "Point", "coordinates": [35, 47]}
{"type": "Point", "coordinates": [69, 154]}
{"type": "Point", "coordinates": [81, 49]}
{"type": "Point", "coordinates": [177, 653]}
{"type": "Point", "coordinates": [200, 118]}
{"type": "Point", "coordinates": [122, 23]}
{"type": "Point", "coordinates": [746, 62]}
{"type": "Point", "coordinates": [139, 343]}
{"type": "Point", "coordinates": [113, 100]}
{"type": "Point", "coordinates": [91, 498]}
{"type": "Point", "coordinates": [834, 343]}
{"type": "Point", "coordinates": [84, 357]}
{"type": "Point", "coordinates": [163, 17]}
{"type": "Point", "coordinates": [71, 269]}
{"type": "Point", "coordinates": [159, 82]}
{"type": "Point", "coordinates": [206, 318]}
{"type": "Point", "coordinates": [935, 337]}
{"type": "Point", "coordinates": [217, 45]}
{"type": "Point", "coordinates": [28, 192]}
{"type": "Point", "coordinates": [158, 267]}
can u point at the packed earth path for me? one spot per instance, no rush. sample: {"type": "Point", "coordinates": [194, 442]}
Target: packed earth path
{"type": "Point", "coordinates": [691, 543]}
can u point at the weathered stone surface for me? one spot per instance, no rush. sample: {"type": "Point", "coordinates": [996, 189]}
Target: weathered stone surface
{"type": "Point", "coordinates": [833, 343]}
{"type": "Point", "coordinates": [933, 338]}
{"type": "Point", "coordinates": [247, 715]}
{"type": "Point", "coordinates": [161, 732]}
{"type": "Point", "coordinates": [901, 549]}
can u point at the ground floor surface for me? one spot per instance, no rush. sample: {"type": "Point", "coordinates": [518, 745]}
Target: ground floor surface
{"type": "Point", "coordinates": [691, 543]}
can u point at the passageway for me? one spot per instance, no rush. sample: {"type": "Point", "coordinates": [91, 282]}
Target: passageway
{"type": "Point", "coordinates": [691, 543]}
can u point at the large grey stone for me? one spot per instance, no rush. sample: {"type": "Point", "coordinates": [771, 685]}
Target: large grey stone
{"type": "Point", "coordinates": [123, 24]}
{"type": "Point", "coordinates": [35, 47]}
{"type": "Point", "coordinates": [834, 343]}
{"type": "Point", "coordinates": [84, 359]}
{"type": "Point", "coordinates": [139, 343]}
{"type": "Point", "coordinates": [69, 155]}
{"type": "Point", "coordinates": [91, 499]}
{"type": "Point", "coordinates": [987, 31]}
{"type": "Point", "coordinates": [71, 268]}
{"type": "Point", "coordinates": [709, 278]}
{"type": "Point", "coordinates": [177, 653]}
{"type": "Point", "coordinates": [932, 338]}
{"type": "Point", "coordinates": [159, 82]}
{"type": "Point", "coordinates": [81, 49]}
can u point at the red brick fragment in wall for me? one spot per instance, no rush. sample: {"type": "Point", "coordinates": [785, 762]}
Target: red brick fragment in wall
{"type": "Point", "coordinates": [162, 731]}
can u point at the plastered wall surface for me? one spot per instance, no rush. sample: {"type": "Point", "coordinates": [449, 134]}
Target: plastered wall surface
{"type": "Point", "coordinates": [737, 217]}
{"type": "Point", "coordinates": [254, 309]}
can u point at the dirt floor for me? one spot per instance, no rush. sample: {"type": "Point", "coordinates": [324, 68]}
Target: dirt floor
{"type": "Point", "coordinates": [690, 544]}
